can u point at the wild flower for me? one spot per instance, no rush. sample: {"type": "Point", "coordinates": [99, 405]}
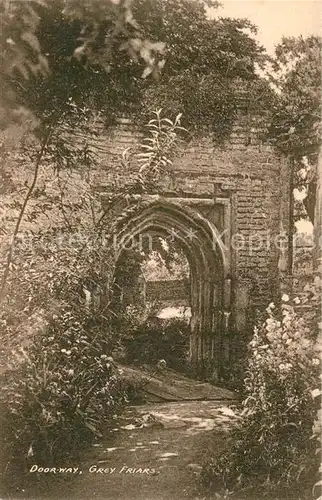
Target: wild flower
{"type": "Point", "coordinates": [271, 441]}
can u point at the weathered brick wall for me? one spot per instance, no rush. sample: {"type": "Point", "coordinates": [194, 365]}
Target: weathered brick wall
{"type": "Point", "coordinates": [259, 184]}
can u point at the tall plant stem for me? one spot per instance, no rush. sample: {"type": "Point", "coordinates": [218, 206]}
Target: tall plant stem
{"type": "Point", "coordinates": [10, 253]}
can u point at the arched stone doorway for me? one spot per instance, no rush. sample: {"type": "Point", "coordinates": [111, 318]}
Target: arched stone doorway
{"type": "Point", "coordinates": [207, 258]}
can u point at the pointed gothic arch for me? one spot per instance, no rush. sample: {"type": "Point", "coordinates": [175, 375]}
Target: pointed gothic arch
{"type": "Point", "coordinates": [208, 260]}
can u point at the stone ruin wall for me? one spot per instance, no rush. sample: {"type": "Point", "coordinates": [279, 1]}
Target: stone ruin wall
{"type": "Point", "coordinates": [257, 181]}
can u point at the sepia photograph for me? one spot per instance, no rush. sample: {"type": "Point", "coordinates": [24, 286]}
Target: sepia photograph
{"type": "Point", "coordinates": [160, 250]}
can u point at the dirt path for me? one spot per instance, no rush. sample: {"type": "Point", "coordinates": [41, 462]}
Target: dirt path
{"type": "Point", "coordinates": [154, 452]}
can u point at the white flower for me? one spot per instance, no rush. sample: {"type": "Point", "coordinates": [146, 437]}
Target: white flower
{"type": "Point", "coordinates": [285, 297]}
{"type": "Point", "coordinates": [297, 300]}
{"type": "Point", "coordinates": [65, 352]}
{"type": "Point", "coordinates": [315, 393]}
{"type": "Point", "coordinates": [271, 305]}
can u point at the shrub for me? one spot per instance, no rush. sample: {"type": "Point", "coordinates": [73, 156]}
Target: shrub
{"type": "Point", "coordinates": [153, 339]}
{"type": "Point", "coordinates": [317, 437]}
{"type": "Point", "coordinates": [61, 387]}
{"type": "Point", "coordinates": [271, 442]}
{"type": "Point", "coordinates": [60, 394]}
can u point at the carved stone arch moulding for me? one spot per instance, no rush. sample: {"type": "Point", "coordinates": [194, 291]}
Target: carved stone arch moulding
{"type": "Point", "coordinates": [209, 262]}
